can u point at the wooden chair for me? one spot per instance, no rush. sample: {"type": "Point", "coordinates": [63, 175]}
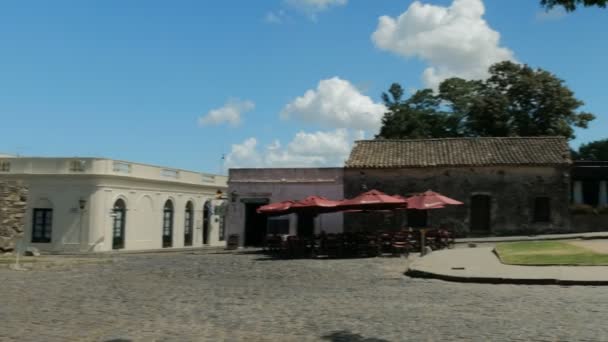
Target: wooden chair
{"type": "Point", "coordinates": [400, 244]}
{"type": "Point", "coordinates": [385, 243]}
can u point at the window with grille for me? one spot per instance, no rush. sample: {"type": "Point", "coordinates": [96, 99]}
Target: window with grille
{"type": "Point", "coordinates": [77, 165]}
{"type": "Point", "coordinates": [168, 224]}
{"type": "Point", "coordinates": [542, 209]}
{"type": "Point", "coordinates": [5, 166]}
{"type": "Point", "coordinates": [208, 178]}
{"type": "Point", "coordinates": [188, 225]}
{"type": "Point", "coordinates": [42, 226]}
{"type": "Point", "coordinates": [168, 173]}
{"type": "Point", "coordinates": [121, 167]}
{"type": "Point", "coordinates": [222, 228]}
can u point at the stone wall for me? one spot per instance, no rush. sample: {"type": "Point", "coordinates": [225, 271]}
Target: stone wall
{"type": "Point", "coordinates": [13, 198]}
{"type": "Point", "coordinates": [589, 222]}
{"type": "Point", "coordinates": [512, 191]}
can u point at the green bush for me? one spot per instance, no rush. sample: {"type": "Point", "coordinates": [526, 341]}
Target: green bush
{"type": "Point", "coordinates": [582, 209]}
{"type": "Point", "coordinates": [458, 227]}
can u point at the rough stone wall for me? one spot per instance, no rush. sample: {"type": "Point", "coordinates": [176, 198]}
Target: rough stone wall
{"type": "Point", "coordinates": [512, 190]}
{"type": "Point", "coordinates": [13, 200]}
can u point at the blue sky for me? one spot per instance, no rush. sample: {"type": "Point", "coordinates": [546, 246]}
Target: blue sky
{"type": "Point", "coordinates": [135, 80]}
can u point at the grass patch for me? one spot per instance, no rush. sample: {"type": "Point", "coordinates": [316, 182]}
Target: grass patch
{"type": "Point", "coordinates": [548, 253]}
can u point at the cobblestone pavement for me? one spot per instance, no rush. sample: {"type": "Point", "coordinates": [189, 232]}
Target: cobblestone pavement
{"type": "Point", "coordinates": [225, 297]}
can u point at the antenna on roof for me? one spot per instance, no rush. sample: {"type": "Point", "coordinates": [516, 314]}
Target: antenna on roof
{"type": "Point", "coordinates": [222, 164]}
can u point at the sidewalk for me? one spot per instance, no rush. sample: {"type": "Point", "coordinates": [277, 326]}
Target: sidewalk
{"type": "Point", "coordinates": [596, 235]}
{"type": "Point", "coordinates": [196, 250]}
{"type": "Point", "coordinates": [481, 265]}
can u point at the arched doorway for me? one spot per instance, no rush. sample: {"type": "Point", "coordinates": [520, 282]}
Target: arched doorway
{"type": "Point", "coordinates": [188, 224]}
{"type": "Point", "coordinates": [168, 224]}
{"type": "Point", "coordinates": [206, 222]}
{"type": "Point", "coordinates": [118, 226]}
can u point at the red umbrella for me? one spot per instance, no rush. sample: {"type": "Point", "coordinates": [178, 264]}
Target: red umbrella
{"type": "Point", "coordinates": [315, 204]}
{"type": "Point", "coordinates": [373, 200]}
{"type": "Point", "coordinates": [430, 200]}
{"type": "Point", "coordinates": [275, 208]}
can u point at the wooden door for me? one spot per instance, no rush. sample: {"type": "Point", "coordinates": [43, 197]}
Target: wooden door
{"type": "Point", "coordinates": [481, 213]}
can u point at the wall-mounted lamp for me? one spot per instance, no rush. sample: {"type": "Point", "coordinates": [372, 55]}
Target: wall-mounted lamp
{"type": "Point", "coordinates": [82, 203]}
{"type": "Point", "coordinates": [233, 196]}
{"type": "Point", "coordinates": [363, 181]}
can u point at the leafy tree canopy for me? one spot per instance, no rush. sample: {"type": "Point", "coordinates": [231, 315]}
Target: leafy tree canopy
{"type": "Point", "coordinates": [570, 5]}
{"type": "Point", "coordinates": [596, 150]}
{"type": "Point", "coordinates": [515, 100]}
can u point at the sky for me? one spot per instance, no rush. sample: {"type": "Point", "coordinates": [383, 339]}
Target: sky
{"type": "Point", "coordinates": [209, 85]}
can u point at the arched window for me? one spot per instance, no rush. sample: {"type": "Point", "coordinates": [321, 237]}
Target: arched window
{"type": "Point", "coordinates": [118, 226]}
{"type": "Point", "coordinates": [206, 221]}
{"type": "Point", "coordinates": [168, 224]}
{"type": "Point", "coordinates": [188, 224]}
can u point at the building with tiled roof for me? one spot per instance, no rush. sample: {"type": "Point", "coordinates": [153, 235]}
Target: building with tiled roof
{"type": "Point", "coordinates": [459, 152]}
{"type": "Point", "coordinates": [508, 184]}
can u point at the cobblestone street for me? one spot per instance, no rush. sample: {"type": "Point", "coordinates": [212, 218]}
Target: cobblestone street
{"type": "Point", "coordinates": [215, 297]}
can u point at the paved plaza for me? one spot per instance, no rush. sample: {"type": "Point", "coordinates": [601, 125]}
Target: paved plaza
{"type": "Point", "coordinates": [238, 297]}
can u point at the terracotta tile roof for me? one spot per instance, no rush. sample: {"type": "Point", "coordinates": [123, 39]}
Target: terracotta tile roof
{"type": "Point", "coordinates": [459, 152]}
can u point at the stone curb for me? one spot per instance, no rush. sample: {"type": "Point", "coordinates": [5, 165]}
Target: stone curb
{"type": "Point", "coordinates": [497, 239]}
{"type": "Point", "coordinates": [413, 273]}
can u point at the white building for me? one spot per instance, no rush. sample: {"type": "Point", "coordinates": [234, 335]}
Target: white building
{"type": "Point", "coordinates": [93, 204]}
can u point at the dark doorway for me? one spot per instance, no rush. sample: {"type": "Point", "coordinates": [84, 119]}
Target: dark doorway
{"type": "Point", "coordinates": [206, 223]}
{"type": "Point", "coordinates": [306, 225]}
{"type": "Point", "coordinates": [481, 206]}
{"type": "Point", "coordinates": [591, 193]}
{"type": "Point", "coordinates": [255, 225]}
{"type": "Point", "coordinates": [417, 218]}
{"type": "Point", "coordinates": [118, 225]}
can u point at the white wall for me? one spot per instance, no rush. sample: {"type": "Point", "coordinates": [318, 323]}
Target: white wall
{"type": "Point", "coordinates": [70, 224]}
{"type": "Point", "coordinates": [90, 229]}
{"type": "Point", "coordinates": [144, 218]}
{"type": "Point", "coordinates": [60, 183]}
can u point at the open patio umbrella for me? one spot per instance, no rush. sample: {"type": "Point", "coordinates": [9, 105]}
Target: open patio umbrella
{"type": "Point", "coordinates": [373, 200]}
{"type": "Point", "coordinates": [430, 200]}
{"type": "Point", "coordinates": [277, 208]}
{"type": "Point", "coordinates": [316, 204]}
{"type": "Point", "coordinates": [425, 201]}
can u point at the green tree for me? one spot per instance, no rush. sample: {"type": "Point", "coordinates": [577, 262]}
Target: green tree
{"type": "Point", "coordinates": [515, 100]}
{"type": "Point", "coordinates": [570, 5]}
{"type": "Point", "coordinates": [417, 117]}
{"type": "Point", "coordinates": [596, 150]}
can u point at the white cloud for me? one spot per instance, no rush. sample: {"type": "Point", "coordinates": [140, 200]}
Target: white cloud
{"type": "Point", "coordinates": [230, 113]}
{"type": "Point", "coordinates": [455, 41]}
{"type": "Point", "coordinates": [277, 17]}
{"type": "Point", "coordinates": [555, 13]}
{"type": "Point", "coordinates": [312, 7]}
{"type": "Point", "coordinates": [318, 149]}
{"type": "Point", "coordinates": [336, 103]}
{"type": "Point", "coordinates": [244, 154]}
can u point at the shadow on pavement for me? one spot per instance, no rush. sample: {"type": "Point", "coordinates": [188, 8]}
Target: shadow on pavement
{"type": "Point", "coordinates": [347, 336]}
